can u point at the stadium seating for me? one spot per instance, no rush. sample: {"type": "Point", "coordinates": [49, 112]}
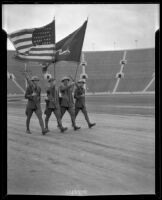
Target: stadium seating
{"type": "Point", "coordinates": [152, 87]}
{"type": "Point", "coordinates": [138, 70]}
{"type": "Point", "coordinates": [15, 67]}
{"type": "Point", "coordinates": [12, 88]}
{"type": "Point", "coordinates": [102, 67]}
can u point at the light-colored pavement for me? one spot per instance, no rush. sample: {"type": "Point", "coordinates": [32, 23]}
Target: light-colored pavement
{"type": "Point", "coordinates": [117, 156]}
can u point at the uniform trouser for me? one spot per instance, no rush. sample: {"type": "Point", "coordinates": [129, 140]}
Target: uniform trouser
{"type": "Point", "coordinates": [57, 114]}
{"type": "Point", "coordinates": [71, 112]}
{"type": "Point", "coordinates": [84, 111]}
{"type": "Point", "coordinates": [38, 113]}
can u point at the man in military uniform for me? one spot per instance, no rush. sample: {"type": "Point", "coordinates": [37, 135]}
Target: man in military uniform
{"type": "Point", "coordinates": [52, 104]}
{"type": "Point", "coordinates": [79, 95]}
{"type": "Point", "coordinates": [67, 102]}
{"type": "Point", "coordinates": [33, 94]}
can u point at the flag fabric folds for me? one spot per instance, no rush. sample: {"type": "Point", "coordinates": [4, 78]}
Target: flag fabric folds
{"type": "Point", "coordinates": [37, 44]}
{"type": "Point", "coordinates": [69, 48]}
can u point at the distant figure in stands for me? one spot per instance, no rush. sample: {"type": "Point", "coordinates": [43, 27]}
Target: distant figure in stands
{"type": "Point", "coordinates": [67, 102]}
{"type": "Point", "coordinates": [79, 95]}
{"type": "Point", "coordinates": [52, 105]}
{"type": "Point", "coordinates": [33, 94]}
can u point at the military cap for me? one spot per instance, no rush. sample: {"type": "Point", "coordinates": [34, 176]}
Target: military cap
{"type": "Point", "coordinates": [51, 79]}
{"type": "Point", "coordinates": [81, 81]}
{"type": "Point", "coordinates": [65, 78]}
{"type": "Point", "coordinates": [35, 78]}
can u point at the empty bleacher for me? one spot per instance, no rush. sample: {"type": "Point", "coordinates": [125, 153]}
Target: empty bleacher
{"type": "Point", "coordinates": [138, 70]}
{"type": "Point", "coordinates": [152, 87]}
{"type": "Point", "coordinates": [12, 89]}
{"type": "Point", "coordinates": [102, 67]}
{"type": "Point", "coordinates": [15, 67]}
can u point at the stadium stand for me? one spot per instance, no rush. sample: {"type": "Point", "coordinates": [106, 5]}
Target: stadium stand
{"type": "Point", "coordinates": [15, 67]}
{"type": "Point", "coordinates": [138, 71]}
{"type": "Point", "coordinates": [152, 87]}
{"type": "Point", "coordinates": [102, 67]}
{"type": "Point", "coordinates": [12, 88]}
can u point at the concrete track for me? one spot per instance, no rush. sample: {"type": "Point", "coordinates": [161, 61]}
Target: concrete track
{"type": "Point", "coordinates": [117, 156]}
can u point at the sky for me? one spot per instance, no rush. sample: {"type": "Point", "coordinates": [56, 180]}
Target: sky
{"type": "Point", "coordinates": [110, 26]}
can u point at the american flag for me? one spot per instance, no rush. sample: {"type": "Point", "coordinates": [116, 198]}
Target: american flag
{"type": "Point", "coordinates": [37, 44]}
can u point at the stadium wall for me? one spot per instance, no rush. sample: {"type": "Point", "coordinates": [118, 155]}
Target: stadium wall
{"type": "Point", "coordinates": [102, 67]}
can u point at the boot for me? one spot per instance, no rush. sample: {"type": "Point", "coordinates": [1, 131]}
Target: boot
{"type": "Point", "coordinates": [44, 131]}
{"type": "Point", "coordinates": [76, 128]}
{"type": "Point", "coordinates": [27, 125]}
{"type": "Point", "coordinates": [28, 131]}
{"type": "Point", "coordinates": [63, 129]}
{"type": "Point", "coordinates": [90, 125]}
{"type": "Point", "coordinates": [47, 129]}
{"type": "Point", "coordinates": [46, 125]}
{"type": "Point", "coordinates": [74, 124]}
{"type": "Point", "coordinates": [87, 119]}
{"type": "Point", "coordinates": [59, 125]}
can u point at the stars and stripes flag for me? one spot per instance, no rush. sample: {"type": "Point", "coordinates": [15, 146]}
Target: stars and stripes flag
{"type": "Point", "coordinates": [37, 44]}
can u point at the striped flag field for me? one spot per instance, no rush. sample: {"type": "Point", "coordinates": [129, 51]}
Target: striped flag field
{"type": "Point", "coordinates": [37, 44]}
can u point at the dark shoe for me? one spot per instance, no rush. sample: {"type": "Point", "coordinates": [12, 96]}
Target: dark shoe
{"type": "Point", "coordinates": [44, 131]}
{"type": "Point", "coordinates": [63, 129]}
{"type": "Point", "coordinates": [91, 125]}
{"type": "Point", "coordinates": [76, 128]}
{"type": "Point", "coordinates": [47, 130]}
{"type": "Point", "coordinates": [28, 132]}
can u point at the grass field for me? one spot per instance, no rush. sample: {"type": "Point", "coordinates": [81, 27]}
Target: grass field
{"type": "Point", "coordinates": [117, 156]}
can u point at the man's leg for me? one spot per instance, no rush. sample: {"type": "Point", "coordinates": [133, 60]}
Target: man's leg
{"type": "Point", "coordinates": [84, 111]}
{"type": "Point", "coordinates": [71, 111]}
{"type": "Point", "coordinates": [57, 113]}
{"type": "Point", "coordinates": [38, 113]}
{"type": "Point", "coordinates": [63, 110]}
{"type": "Point", "coordinates": [76, 111]}
{"type": "Point", "coordinates": [48, 114]}
{"type": "Point", "coordinates": [29, 113]}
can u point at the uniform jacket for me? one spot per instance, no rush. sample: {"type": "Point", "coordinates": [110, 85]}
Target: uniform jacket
{"type": "Point", "coordinates": [79, 95]}
{"type": "Point", "coordinates": [66, 96]}
{"type": "Point", "coordinates": [33, 101]}
{"type": "Point", "coordinates": [53, 97]}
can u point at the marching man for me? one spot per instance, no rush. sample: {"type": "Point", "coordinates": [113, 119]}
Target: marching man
{"type": "Point", "coordinates": [33, 94]}
{"type": "Point", "coordinates": [79, 95]}
{"type": "Point", "coordinates": [67, 102]}
{"type": "Point", "coordinates": [52, 105]}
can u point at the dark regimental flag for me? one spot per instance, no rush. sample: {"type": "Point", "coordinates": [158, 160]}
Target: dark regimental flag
{"type": "Point", "coordinates": [69, 48]}
{"type": "Point", "coordinates": [37, 44]}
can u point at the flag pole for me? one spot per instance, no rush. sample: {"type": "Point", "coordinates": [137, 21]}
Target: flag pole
{"type": "Point", "coordinates": [43, 81]}
{"type": "Point", "coordinates": [54, 64]}
{"type": "Point", "coordinates": [54, 70]}
{"type": "Point", "coordinates": [76, 71]}
{"type": "Point", "coordinates": [25, 78]}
